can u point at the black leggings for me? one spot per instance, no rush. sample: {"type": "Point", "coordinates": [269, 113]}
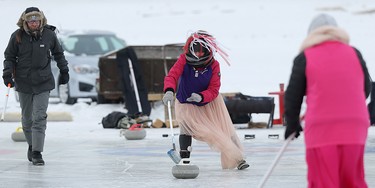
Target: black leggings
{"type": "Point", "coordinates": [185, 142]}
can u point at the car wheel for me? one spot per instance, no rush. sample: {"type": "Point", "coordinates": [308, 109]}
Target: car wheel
{"type": "Point", "coordinates": [64, 94]}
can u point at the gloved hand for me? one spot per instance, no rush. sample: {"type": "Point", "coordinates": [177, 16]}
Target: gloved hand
{"type": "Point", "coordinates": [64, 77]}
{"type": "Point", "coordinates": [194, 98]}
{"type": "Point", "coordinates": [8, 80]}
{"type": "Point", "coordinates": [290, 129]}
{"type": "Point", "coordinates": [168, 96]}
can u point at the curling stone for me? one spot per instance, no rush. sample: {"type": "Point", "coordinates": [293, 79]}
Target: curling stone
{"type": "Point", "coordinates": [249, 136]}
{"type": "Point", "coordinates": [185, 170]}
{"type": "Point", "coordinates": [135, 132]}
{"type": "Point", "coordinates": [273, 136]}
{"type": "Point", "coordinates": [166, 135]}
{"type": "Point", "coordinates": [18, 135]}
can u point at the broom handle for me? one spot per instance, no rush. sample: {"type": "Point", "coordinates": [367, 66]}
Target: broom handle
{"type": "Point", "coordinates": [171, 124]}
{"type": "Point", "coordinates": [276, 160]}
{"type": "Point", "coordinates": [6, 103]}
{"type": "Point", "coordinates": [135, 86]}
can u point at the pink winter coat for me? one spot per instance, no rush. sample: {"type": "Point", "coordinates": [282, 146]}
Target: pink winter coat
{"type": "Point", "coordinates": [332, 75]}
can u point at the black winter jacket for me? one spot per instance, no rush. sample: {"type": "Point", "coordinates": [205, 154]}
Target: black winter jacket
{"type": "Point", "coordinates": [29, 62]}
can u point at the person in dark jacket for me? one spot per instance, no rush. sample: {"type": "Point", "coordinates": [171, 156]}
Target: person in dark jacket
{"type": "Point", "coordinates": [334, 78]}
{"type": "Point", "coordinates": [27, 67]}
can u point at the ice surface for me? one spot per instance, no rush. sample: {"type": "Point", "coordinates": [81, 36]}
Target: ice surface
{"type": "Point", "coordinates": [262, 38]}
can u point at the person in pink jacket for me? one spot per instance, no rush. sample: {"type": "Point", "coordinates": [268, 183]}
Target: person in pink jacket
{"type": "Point", "coordinates": [200, 109]}
{"type": "Point", "coordinates": [334, 78]}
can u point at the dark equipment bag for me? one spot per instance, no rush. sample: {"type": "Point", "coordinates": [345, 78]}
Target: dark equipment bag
{"type": "Point", "coordinates": [240, 107]}
{"type": "Point", "coordinates": [112, 119]}
{"type": "Point", "coordinates": [120, 120]}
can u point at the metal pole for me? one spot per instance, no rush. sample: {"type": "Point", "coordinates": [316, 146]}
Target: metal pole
{"type": "Point", "coordinates": [6, 103]}
{"type": "Point", "coordinates": [135, 86]}
{"type": "Point", "coordinates": [276, 160]}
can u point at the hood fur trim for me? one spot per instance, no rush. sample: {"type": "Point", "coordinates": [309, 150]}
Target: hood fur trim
{"type": "Point", "coordinates": [325, 33]}
{"type": "Point", "coordinates": [22, 20]}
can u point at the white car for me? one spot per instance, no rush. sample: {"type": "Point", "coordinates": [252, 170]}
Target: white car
{"type": "Point", "coordinates": [82, 51]}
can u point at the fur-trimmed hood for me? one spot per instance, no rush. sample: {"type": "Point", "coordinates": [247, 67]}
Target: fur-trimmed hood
{"type": "Point", "coordinates": [31, 13]}
{"type": "Point", "coordinates": [325, 33]}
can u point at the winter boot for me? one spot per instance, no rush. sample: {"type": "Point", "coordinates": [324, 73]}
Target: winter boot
{"type": "Point", "coordinates": [185, 148]}
{"type": "Point", "coordinates": [37, 158]}
{"type": "Point", "coordinates": [29, 153]}
{"type": "Point", "coordinates": [185, 155]}
{"type": "Point", "coordinates": [242, 165]}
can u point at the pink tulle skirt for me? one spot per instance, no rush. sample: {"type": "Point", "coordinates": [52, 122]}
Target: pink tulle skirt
{"type": "Point", "coordinates": [211, 124]}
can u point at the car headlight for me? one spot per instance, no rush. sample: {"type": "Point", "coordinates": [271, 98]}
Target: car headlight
{"type": "Point", "coordinates": [85, 69]}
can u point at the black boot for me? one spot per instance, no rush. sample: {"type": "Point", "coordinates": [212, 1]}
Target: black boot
{"type": "Point", "coordinates": [242, 165]}
{"type": "Point", "coordinates": [37, 158]}
{"type": "Point", "coordinates": [30, 153]}
{"type": "Point", "coordinates": [185, 155]}
{"type": "Point", "coordinates": [185, 147]}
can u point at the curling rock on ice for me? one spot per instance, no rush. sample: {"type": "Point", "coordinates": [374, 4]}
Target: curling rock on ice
{"type": "Point", "coordinates": [185, 171]}
{"type": "Point", "coordinates": [18, 135]}
{"type": "Point", "coordinates": [135, 132]}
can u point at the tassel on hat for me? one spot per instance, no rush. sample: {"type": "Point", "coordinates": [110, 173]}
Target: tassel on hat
{"type": "Point", "coordinates": [208, 42]}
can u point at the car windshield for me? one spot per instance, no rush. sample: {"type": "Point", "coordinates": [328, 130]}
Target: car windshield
{"type": "Point", "coordinates": [91, 44]}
